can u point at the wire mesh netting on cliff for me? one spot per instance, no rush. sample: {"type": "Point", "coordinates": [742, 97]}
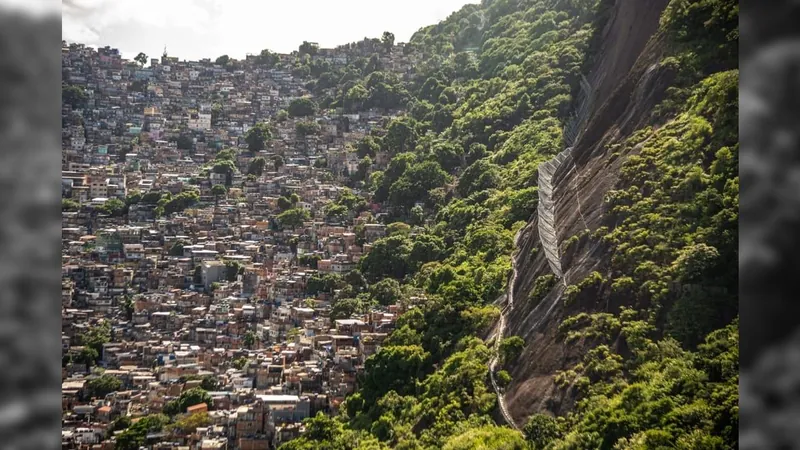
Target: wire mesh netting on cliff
{"type": "Point", "coordinates": [547, 207]}
{"type": "Point", "coordinates": [547, 211]}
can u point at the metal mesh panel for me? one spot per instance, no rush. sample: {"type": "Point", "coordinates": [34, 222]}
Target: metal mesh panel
{"type": "Point", "coordinates": [546, 210]}
{"type": "Point", "coordinates": [547, 207]}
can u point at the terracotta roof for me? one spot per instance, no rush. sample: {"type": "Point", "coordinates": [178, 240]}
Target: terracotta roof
{"type": "Point", "coordinates": [197, 407]}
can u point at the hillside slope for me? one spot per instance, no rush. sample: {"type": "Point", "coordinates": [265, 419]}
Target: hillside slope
{"type": "Point", "coordinates": [625, 90]}
{"type": "Point", "coordinates": [610, 263]}
{"type": "Point", "coordinates": [636, 346]}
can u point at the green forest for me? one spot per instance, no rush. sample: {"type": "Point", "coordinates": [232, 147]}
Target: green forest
{"type": "Point", "coordinates": [487, 106]}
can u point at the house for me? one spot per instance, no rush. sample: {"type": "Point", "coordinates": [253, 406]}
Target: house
{"type": "Point", "coordinates": [197, 409]}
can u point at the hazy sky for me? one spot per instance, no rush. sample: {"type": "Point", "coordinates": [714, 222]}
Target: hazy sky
{"type": "Point", "coordinates": [194, 29]}
{"type": "Point", "coordinates": [33, 7]}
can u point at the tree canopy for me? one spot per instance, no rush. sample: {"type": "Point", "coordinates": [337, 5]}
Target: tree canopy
{"type": "Point", "coordinates": [492, 90]}
{"type": "Point", "coordinates": [302, 107]}
{"type": "Point", "coordinates": [257, 137]}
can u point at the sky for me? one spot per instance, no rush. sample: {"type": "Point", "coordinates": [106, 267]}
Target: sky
{"type": "Point", "coordinates": [36, 8]}
{"type": "Point", "coordinates": [195, 29]}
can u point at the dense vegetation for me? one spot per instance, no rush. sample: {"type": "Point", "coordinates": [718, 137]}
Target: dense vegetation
{"type": "Point", "coordinates": [485, 107]}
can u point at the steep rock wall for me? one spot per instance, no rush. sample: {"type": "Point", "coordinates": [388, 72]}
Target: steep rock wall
{"type": "Point", "coordinates": [626, 84]}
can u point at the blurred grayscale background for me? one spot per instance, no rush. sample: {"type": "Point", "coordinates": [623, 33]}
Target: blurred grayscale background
{"type": "Point", "coordinates": [770, 224]}
{"type": "Point", "coordinates": [30, 228]}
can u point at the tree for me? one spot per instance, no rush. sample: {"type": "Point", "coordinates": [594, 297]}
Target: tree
{"type": "Point", "coordinates": [232, 270]}
{"type": "Point", "coordinates": [306, 128]}
{"type": "Point", "coordinates": [152, 197]}
{"type": "Point", "coordinates": [398, 228]}
{"type": "Point", "coordinates": [278, 162]}
{"type": "Point", "coordinates": [282, 116]}
{"type": "Point", "coordinates": [511, 347]}
{"type": "Point", "coordinates": [103, 385]}
{"type": "Point", "coordinates": [257, 137]}
{"type": "Point", "coordinates": [308, 48]}
{"type": "Point", "coordinates": [479, 176]}
{"type": "Point", "coordinates": [176, 249]}
{"type": "Point", "coordinates": [388, 258]}
{"type": "Point", "coordinates": [327, 283]}
{"type": "Point", "coordinates": [114, 207]}
{"type": "Point", "coordinates": [268, 58]}
{"type": "Point", "coordinates": [417, 216]}
{"type": "Point", "coordinates": [367, 147]}
{"type": "Point", "coordinates": [431, 89]}
{"type": "Point", "coordinates": [301, 71]}
{"type": "Point", "coordinates": [345, 308]}
{"type": "Point", "coordinates": [185, 142]}
{"type": "Point", "coordinates": [133, 197]}
{"type": "Point", "coordinates": [74, 96]}
{"type": "Point", "coordinates": [284, 203]}
{"type": "Point", "coordinates": [239, 363]}
{"type": "Point", "coordinates": [128, 307]}
{"type": "Point", "coordinates": [96, 336]}
{"type": "Point", "coordinates": [87, 356]}
{"type": "Point", "coordinates": [225, 155]}
{"type": "Point", "coordinates": [188, 398]}
{"type": "Point", "coordinates": [222, 60]}
{"type": "Point", "coordinates": [356, 279]}
{"type": "Point", "coordinates": [216, 113]}
{"type": "Point", "coordinates": [503, 378]}
{"type": "Point", "coordinates": [355, 98]}
{"type": "Point", "coordinates": [69, 205]}
{"type": "Point", "coordinates": [424, 249]}
{"type": "Point", "coordinates": [134, 436]}
{"type": "Point", "coordinates": [309, 261]}
{"type": "Point", "coordinates": [335, 213]}
{"type": "Point", "coordinates": [363, 168]}
{"type": "Point", "coordinates": [141, 58]}
{"type": "Point", "coordinates": [388, 41]}
{"type": "Point", "coordinates": [541, 430]}
{"type": "Point", "coordinates": [448, 156]}
{"type": "Point", "coordinates": [218, 190]}
{"type": "Point", "coordinates": [386, 292]}
{"type": "Point", "coordinates": [293, 218]}
{"type": "Point", "coordinates": [257, 166]}
{"type": "Point", "coordinates": [119, 424]}
{"type": "Point", "coordinates": [401, 136]}
{"type": "Point", "coordinates": [485, 438]}
{"type": "Point", "coordinates": [249, 339]}
{"type": "Point", "coordinates": [416, 183]}
{"type": "Point", "coordinates": [321, 428]}
{"type": "Point", "coordinates": [180, 202]}
{"type": "Point", "coordinates": [209, 383]}
{"type": "Point", "coordinates": [373, 65]}
{"type": "Point", "coordinates": [302, 107]}
{"type": "Point", "coordinates": [189, 423]}
{"type": "Point", "coordinates": [395, 368]}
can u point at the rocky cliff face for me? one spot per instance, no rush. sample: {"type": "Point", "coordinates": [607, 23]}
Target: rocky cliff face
{"type": "Point", "coordinates": [626, 85]}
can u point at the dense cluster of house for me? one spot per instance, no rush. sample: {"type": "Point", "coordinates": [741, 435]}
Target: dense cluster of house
{"type": "Point", "coordinates": [216, 291]}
